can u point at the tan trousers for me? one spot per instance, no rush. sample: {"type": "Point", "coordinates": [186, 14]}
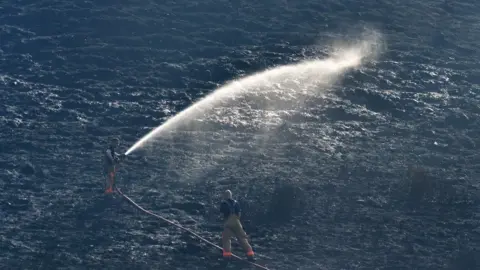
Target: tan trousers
{"type": "Point", "coordinates": [110, 181]}
{"type": "Point", "coordinates": [233, 227]}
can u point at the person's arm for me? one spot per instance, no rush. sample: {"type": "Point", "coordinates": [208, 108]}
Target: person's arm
{"type": "Point", "coordinates": [108, 153]}
{"type": "Point", "coordinates": [119, 157]}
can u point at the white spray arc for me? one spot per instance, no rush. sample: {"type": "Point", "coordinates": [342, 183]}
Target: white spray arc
{"type": "Point", "coordinates": [318, 71]}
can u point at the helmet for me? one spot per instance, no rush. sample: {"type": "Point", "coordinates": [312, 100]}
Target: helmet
{"type": "Point", "coordinates": [114, 141]}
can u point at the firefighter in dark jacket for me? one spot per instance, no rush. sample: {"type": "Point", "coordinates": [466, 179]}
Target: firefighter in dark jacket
{"type": "Point", "coordinates": [233, 227]}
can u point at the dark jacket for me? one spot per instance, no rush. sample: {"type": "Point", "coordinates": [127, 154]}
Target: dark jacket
{"type": "Point", "coordinates": [229, 207]}
{"type": "Point", "coordinates": [111, 158]}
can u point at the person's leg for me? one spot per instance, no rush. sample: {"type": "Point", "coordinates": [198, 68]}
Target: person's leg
{"type": "Point", "coordinates": [110, 180]}
{"type": "Point", "coordinates": [226, 242]}
{"type": "Point", "coordinates": [246, 246]}
{"type": "Point", "coordinates": [242, 239]}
